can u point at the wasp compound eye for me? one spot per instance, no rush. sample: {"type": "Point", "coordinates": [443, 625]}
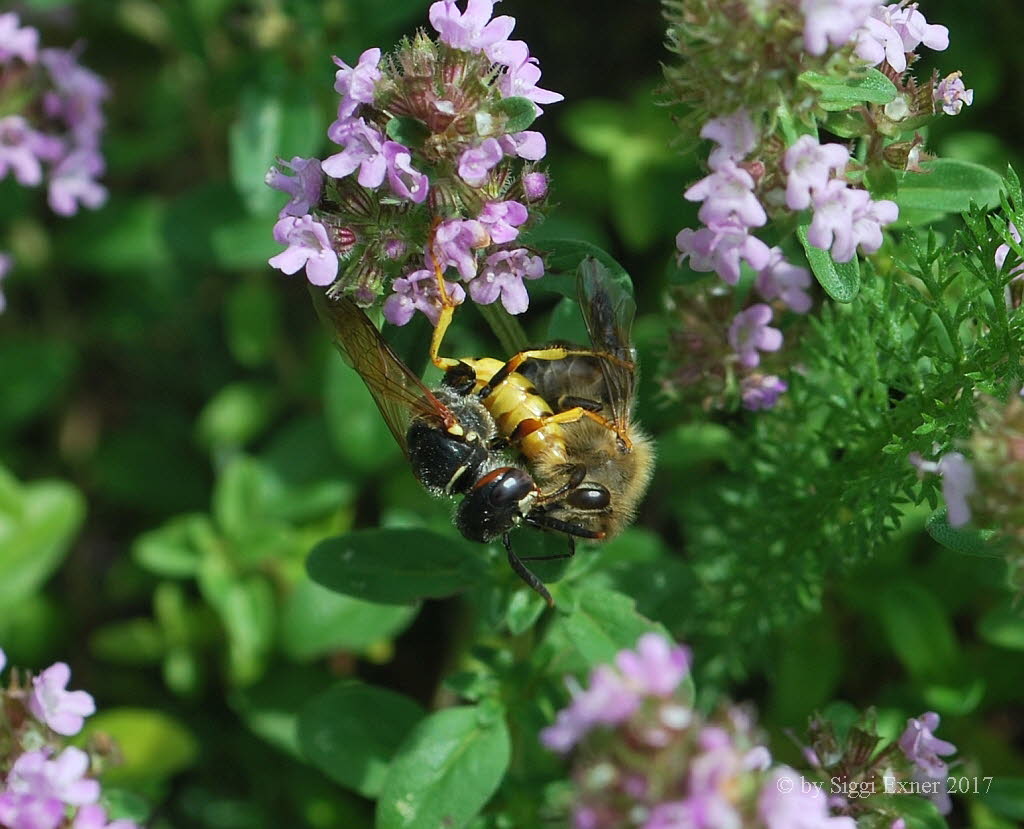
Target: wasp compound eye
{"type": "Point", "coordinates": [510, 488]}
{"type": "Point", "coordinates": [589, 498]}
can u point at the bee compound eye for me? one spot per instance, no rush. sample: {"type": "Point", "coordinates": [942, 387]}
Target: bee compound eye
{"type": "Point", "coordinates": [510, 488]}
{"type": "Point", "coordinates": [590, 497]}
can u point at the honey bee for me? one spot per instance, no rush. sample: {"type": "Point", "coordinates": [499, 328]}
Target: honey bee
{"type": "Point", "coordinates": [569, 411]}
{"type": "Point", "coordinates": [451, 441]}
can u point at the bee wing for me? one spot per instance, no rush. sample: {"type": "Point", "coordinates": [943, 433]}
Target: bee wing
{"type": "Point", "coordinates": [608, 310]}
{"type": "Point", "coordinates": [398, 392]}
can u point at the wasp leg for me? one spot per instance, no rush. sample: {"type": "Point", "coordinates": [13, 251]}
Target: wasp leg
{"type": "Point", "coordinates": [520, 569]}
{"type": "Point", "coordinates": [577, 472]}
{"type": "Point", "coordinates": [532, 424]}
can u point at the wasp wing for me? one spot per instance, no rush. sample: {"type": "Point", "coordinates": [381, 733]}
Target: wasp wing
{"type": "Point", "coordinates": [608, 311]}
{"type": "Point", "coordinates": [398, 392]}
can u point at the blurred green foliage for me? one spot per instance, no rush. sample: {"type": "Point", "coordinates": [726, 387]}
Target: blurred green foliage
{"type": "Point", "coordinates": [205, 439]}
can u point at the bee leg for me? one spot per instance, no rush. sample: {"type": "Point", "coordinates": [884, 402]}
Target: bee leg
{"type": "Point", "coordinates": [546, 522]}
{"type": "Point", "coordinates": [520, 569]}
{"type": "Point", "coordinates": [577, 472]}
{"type": "Point", "coordinates": [568, 401]}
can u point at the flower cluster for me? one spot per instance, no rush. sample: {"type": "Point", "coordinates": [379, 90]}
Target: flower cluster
{"type": "Point", "coordinates": [644, 757]}
{"type": "Point", "coordinates": [48, 784]}
{"type": "Point", "coordinates": [863, 767]}
{"type": "Point", "coordinates": [52, 121]}
{"type": "Point", "coordinates": [436, 170]}
{"type": "Point", "coordinates": [762, 169]}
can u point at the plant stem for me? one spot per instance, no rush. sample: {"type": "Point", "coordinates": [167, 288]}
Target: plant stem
{"type": "Point", "coordinates": [505, 327]}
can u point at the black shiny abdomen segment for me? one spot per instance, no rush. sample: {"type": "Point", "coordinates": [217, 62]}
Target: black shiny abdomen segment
{"type": "Point", "coordinates": [440, 460]}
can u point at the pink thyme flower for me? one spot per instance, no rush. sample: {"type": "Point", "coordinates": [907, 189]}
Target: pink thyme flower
{"type": "Point", "coordinates": [6, 263]}
{"type": "Point", "coordinates": [521, 74]}
{"type": "Point", "coordinates": [958, 483]}
{"type": "Point", "coordinates": [656, 667]}
{"type": "Point", "coordinates": [21, 149]}
{"type": "Point", "coordinates": [750, 333]}
{"type": "Point", "coordinates": [62, 778]}
{"type": "Point", "coordinates": [502, 218]}
{"type": "Point", "coordinates": [761, 391]}
{"type": "Point", "coordinates": [73, 181]}
{"type": "Point", "coordinates": [308, 246]}
{"type": "Point", "coordinates": [952, 95]}
{"type": "Point", "coordinates": [868, 222]}
{"type": "Point", "coordinates": [535, 186]}
{"type": "Point", "coordinates": [735, 135]}
{"type": "Point", "coordinates": [17, 42]}
{"type": "Point", "coordinates": [528, 144]}
{"type": "Point", "coordinates": [1003, 251]}
{"type": "Point", "coordinates": [781, 280]}
{"type": "Point", "coordinates": [809, 165]}
{"type": "Point", "coordinates": [915, 30]}
{"type": "Point", "coordinates": [607, 700]}
{"type": "Point", "coordinates": [784, 803]}
{"type": "Point", "coordinates": [502, 276]}
{"type": "Point", "coordinates": [76, 98]}
{"type": "Point", "coordinates": [27, 811]}
{"type": "Point", "coordinates": [922, 748]}
{"type": "Point", "coordinates": [475, 164]}
{"type": "Point", "coordinates": [832, 21]}
{"type": "Point", "coordinates": [358, 83]}
{"type": "Point", "coordinates": [418, 291]}
{"type": "Point", "coordinates": [454, 244]}
{"type": "Point", "coordinates": [721, 248]}
{"type": "Point", "coordinates": [51, 703]}
{"type": "Point", "coordinates": [471, 30]}
{"type": "Point", "coordinates": [727, 194]}
{"type": "Point", "coordinates": [94, 816]}
{"type": "Point", "coordinates": [405, 181]}
{"type": "Point", "coordinates": [363, 149]}
{"type": "Point", "coordinates": [304, 186]}
{"type": "Point", "coordinates": [878, 41]}
{"type": "Point", "coordinates": [835, 208]}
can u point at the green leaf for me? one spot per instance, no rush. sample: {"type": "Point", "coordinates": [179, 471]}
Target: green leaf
{"type": "Point", "coordinates": [411, 132]}
{"type": "Point", "coordinates": [1006, 797]}
{"type": "Point", "coordinates": [918, 630]}
{"type": "Point", "coordinates": [519, 113]}
{"type": "Point", "coordinates": [604, 622]}
{"type": "Point", "coordinates": [1004, 627]}
{"type": "Point", "coordinates": [564, 256]}
{"type": "Point", "coordinates": [173, 550]}
{"type": "Point", "coordinates": [964, 540]}
{"type": "Point", "coordinates": [37, 523]}
{"type": "Point", "coordinates": [36, 372]}
{"type": "Point", "coordinates": [352, 731]}
{"type": "Point", "coordinates": [316, 621]}
{"type": "Point", "coordinates": [524, 609]}
{"type": "Point", "coordinates": [271, 123]}
{"type": "Point", "coordinates": [248, 613]}
{"type": "Point", "coordinates": [154, 746]}
{"type": "Point", "coordinates": [837, 94]}
{"type": "Point", "coordinates": [235, 415]}
{"type": "Point", "coordinates": [918, 812]}
{"type": "Point", "coordinates": [251, 321]}
{"type": "Point", "coordinates": [396, 566]}
{"type": "Point", "coordinates": [948, 185]}
{"type": "Point", "coordinates": [841, 280]}
{"type": "Point", "coordinates": [445, 771]}
{"type": "Point", "coordinates": [132, 642]}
